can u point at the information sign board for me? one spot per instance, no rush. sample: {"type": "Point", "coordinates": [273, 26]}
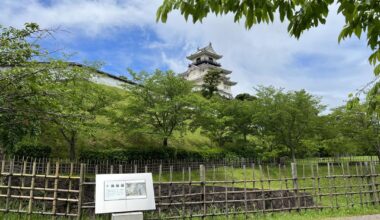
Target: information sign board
{"type": "Point", "coordinates": [124, 193]}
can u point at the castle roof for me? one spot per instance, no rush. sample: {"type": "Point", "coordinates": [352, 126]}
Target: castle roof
{"type": "Point", "coordinates": [208, 50]}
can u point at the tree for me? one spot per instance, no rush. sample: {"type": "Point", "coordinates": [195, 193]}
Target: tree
{"type": "Point", "coordinates": [210, 82]}
{"type": "Point", "coordinates": [368, 114]}
{"type": "Point", "coordinates": [360, 16]}
{"type": "Point", "coordinates": [159, 105]}
{"type": "Point", "coordinates": [242, 113]}
{"type": "Point", "coordinates": [289, 117]}
{"type": "Point", "coordinates": [83, 101]}
{"type": "Point", "coordinates": [213, 117]}
{"type": "Point", "coordinates": [30, 84]}
{"type": "Point", "coordinates": [245, 97]}
{"type": "Point", "coordinates": [340, 131]}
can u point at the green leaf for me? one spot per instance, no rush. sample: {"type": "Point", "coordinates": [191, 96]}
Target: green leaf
{"type": "Point", "coordinates": [376, 71]}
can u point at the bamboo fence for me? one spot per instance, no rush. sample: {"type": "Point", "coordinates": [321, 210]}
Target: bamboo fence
{"type": "Point", "coordinates": [186, 191]}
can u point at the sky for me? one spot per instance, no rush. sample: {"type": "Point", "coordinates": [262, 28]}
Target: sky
{"type": "Point", "coordinates": [124, 34]}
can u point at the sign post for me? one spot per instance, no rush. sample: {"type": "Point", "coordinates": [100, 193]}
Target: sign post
{"type": "Point", "coordinates": [115, 193]}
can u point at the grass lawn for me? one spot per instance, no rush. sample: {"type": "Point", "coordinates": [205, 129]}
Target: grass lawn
{"type": "Point", "coordinates": [312, 214]}
{"type": "Point", "coordinates": [348, 190]}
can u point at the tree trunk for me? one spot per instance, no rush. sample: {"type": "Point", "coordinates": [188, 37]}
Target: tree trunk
{"type": "Point", "coordinates": [73, 145]}
{"type": "Point", "coordinates": [293, 154]}
{"type": "Point", "coordinates": [71, 140]}
{"type": "Point", "coordinates": [165, 142]}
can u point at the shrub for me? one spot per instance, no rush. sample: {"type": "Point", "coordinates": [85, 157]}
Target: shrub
{"type": "Point", "coordinates": [152, 153]}
{"type": "Point", "coordinates": [35, 151]}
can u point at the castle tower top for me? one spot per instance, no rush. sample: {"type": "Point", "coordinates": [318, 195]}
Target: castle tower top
{"type": "Point", "coordinates": [204, 60]}
{"type": "Point", "coordinates": [205, 55]}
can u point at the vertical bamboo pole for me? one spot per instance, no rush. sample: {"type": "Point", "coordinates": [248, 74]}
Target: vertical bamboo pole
{"type": "Point", "coordinates": [314, 185]}
{"type": "Point", "coordinates": [226, 191]}
{"type": "Point", "coordinates": [183, 193]}
{"type": "Point", "coordinates": [360, 185]}
{"type": "Point", "coordinates": [373, 184]}
{"type": "Point", "coordinates": [111, 169]}
{"type": "Point", "coordinates": [368, 183]}
{"type": "Point", "coordinates": [10, 174]}
{"type": "Point", "coordinates": [213, 186]}
{"type": "Point", "coordinates": [202, 177]}
{"type": "Point", "coordinates": [263, 201]}
{"type": "Point", "coordinates": [281, 187]}
{"type": "Point", "coordinates": [70, 186]}
{"type": "Point", "coordinates": [2, 174]}
{"type": "Point", "coordinates": [22, 185]}
{"type": "Point", "coordinates": [345, 183]}
{"type": "Point", "coordinates": [269, 187]}
{"type": "Point", "coordinates": [170, 181]}
{"type": "Point", "coordinates": [47, 172]}
{"type": "Point", "coordinates": [334, 185]}
{"type": "Point", "coordinates": [159, 189]}
{"type": "Point", "coordinates": [190, 186]}
{"type": "Point", "coordinates": [81, 189]}
{"type": "Point", "coordinates": [295, 185]}
{"type": "Point", "coordinates": [330, 187]}
{"type": "Point", "coordinates": [253, 176]}
{"type": "Point", "coordinates": [55, 192]}
{"type": "Point", "coordinates": [319, 184]}
{"type": "Point", "coordinates": [233, 190]}
{"type": "Point", "coordinates": [32, 183]}
{"type": "Point", "coordinates": [245, 192]}
{"type": "Point", "coordinates": [348, 169]}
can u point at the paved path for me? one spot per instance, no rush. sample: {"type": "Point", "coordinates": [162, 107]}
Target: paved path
{"type": "Point", "coordinates": [363, 217]}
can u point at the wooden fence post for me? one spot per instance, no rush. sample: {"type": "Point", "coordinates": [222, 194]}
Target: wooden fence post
{"type": "Point", "coordinates": [202, 173]}
{"type": "Point", "coordinates": [31, 194]}
{"type": "Point", "coordinates": [373, 184]}
{"type": "Point", "coordinates": [55, 193]}
{"type": "Point", "coordinates": [80, 196]}
{"type": "Point", "coordinates": [10, 174]}
{"type": "Point", "coordinates": [295, 184]}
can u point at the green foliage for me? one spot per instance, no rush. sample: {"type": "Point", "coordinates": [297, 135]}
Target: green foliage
{"type": "Point", "coordinates": [33, 151]}
{"type": "Point", "coordinates": [288, 118]}
{"type": "Point", "coordinates": [55, 103]}
{"type": "Point", "coordinates": [30, 89]}
{"type": "Point", "coordinates": [15, 48]}
{"type": "Point", "coordinates": [210, 82]}
{"type": "Point", "coordinates": [82, 108]}
{"type": "Point", "coordinates": [360, 16]}
{"type": "Point", "coordinates": [160, 105]}
{"type": "Point", "coordinates": [245, 97]}
{"type": "Point", "coordinates": [150, 153]}
{"type": "Point", "coordinates": [212, 118]}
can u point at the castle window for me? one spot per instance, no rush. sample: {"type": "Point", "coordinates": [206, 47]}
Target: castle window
{"type": "Point", "coordinates": [210, 59]}
{"type": "Point", "coordinates": [198, 59]}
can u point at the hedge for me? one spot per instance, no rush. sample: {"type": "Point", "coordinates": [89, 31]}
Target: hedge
{"type": "Point", "coordinates": [151, 153]}
{"type": "Point", "coordinates": [34, 151]}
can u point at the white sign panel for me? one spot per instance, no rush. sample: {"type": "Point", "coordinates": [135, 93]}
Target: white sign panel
{"type": "Point", "coordinates": [124, 193]}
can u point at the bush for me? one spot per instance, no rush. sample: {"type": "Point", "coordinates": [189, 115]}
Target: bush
{"type": "Point", "coordinates": [35, 151]}
{"type": "Point", "coordinates": [151, 153]}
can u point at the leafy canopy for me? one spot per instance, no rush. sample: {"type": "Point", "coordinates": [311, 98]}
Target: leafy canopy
{"type": "Point", "coordinates": [210, 82]}
{"type": "Point", "coordinates": [33, 85]}
{"type": "Point", "coordinates": [159, 105]}
{"type": "Point", "coordinates": [360, 16]}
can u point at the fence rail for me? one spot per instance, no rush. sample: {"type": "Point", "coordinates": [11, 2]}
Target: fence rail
{"type": "Point", "coordinates": [193, 190]}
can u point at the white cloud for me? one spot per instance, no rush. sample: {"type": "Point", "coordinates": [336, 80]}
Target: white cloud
{"type": "Point", "coordinates": [264, 55]}
{"type": "Point", "coordinates": [92, 17]}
